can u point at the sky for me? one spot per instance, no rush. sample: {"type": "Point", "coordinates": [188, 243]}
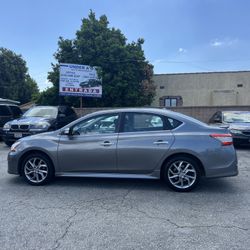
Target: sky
{"type": "Point", "coordinates": [181, 36]}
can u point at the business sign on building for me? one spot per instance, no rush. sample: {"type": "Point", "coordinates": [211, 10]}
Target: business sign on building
{"type": "Point", "coordinates": [79, 80]}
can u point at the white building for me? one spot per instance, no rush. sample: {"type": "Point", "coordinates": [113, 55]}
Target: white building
{"type": "Point", "coordinates": [202, 89]}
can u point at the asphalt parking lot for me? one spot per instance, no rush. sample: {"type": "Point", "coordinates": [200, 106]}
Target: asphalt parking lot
{"type": "Point", "coordinates": [85, 213]}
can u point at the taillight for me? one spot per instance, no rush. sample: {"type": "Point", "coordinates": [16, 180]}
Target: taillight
{"type": "Point", "coordinates": [225, 139]}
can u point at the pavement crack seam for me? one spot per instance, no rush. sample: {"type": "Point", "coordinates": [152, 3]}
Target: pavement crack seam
{"type": "Point", "coordinates": [195, 226]}
{"type": "Point", "coordinates": [69, 223]}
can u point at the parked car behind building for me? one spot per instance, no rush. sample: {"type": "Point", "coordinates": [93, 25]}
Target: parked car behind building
{"type": "Point", "coordinates": [36, 120]}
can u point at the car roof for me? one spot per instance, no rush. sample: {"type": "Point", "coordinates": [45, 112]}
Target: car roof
{"type": "Point", "coordinates": [146, 110]}
{"type": "Point", "coordinates": [159, 111]}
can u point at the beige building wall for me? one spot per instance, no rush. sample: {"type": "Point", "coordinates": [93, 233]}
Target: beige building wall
{"type": "Point", "coordinates": [204, 89]}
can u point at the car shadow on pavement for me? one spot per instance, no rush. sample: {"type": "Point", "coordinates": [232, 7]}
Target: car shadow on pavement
{"type": "Point", "coordinates": [218, 185]}
{"type": "Point", "coordinates": [226, 185]}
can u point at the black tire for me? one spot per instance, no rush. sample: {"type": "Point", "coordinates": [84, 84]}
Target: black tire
{"type": "Point", "coordinates": [181, 181]}
{"type": "Point", "coordinates": [41, 164]}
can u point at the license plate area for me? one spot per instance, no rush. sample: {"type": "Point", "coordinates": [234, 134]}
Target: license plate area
{"type": "Point", "coordinates": [18, 135]}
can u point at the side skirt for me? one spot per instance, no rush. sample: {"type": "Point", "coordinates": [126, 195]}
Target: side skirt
{"type": "Point", "coordinates": [106, 175]}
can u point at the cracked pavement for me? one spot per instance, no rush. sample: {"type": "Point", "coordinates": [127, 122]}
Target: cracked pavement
{"type": "Point", "coordinates": [82, 213]}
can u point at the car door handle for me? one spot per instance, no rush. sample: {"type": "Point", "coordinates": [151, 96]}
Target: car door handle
{"type": "Point", "coordinates": [107, 143]}
{"type": "Point", "coordinates": [160, 142]}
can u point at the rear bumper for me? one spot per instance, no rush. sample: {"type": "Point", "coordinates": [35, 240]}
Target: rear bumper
{"type": "Point", "coordinates": [230, 170]}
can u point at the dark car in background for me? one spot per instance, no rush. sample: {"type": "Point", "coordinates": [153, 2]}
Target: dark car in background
{"type": "Point", "coordinates": [36, 120]}
{"type": "Point", "coordinates": [8, 112]}
{"type": "Point", "coordinates": [238, 122]}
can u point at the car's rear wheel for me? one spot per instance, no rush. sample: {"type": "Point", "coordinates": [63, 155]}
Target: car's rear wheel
{"type": "Point", "coordinates": [182, 173]}
{"type": "Point", "coordinates": [37, 169]}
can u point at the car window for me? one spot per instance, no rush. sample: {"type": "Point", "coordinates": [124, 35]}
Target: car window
{"type": "Point", "coordinates": [217, 117]}
{"type": "Point", "coordinates": [97, 125]}
{"type": "Point", "coordinates": [16, 111]}
{"type": "Point", "coordinates": [134, 122]}
{"type": "Point", "coordinates": [4, 111]}
{"type": "Point", "coordinates": [46, 112]}
{"type": "Point", "coordinates": [173, 123]}
{"type": "Point", "coordinates": [237, 116]}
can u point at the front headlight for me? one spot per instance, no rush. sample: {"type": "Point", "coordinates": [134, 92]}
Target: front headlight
{"type": "Point", "coordinates": [15, 146]}
{"type": "Point", "coordinates": [6, 126]}
{"type": "Point", "coordinates": [39, 126]}
{"type": "Point", "coordinates": [235, 131]}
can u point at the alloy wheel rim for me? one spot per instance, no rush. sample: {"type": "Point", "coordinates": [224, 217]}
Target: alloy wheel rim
{"type": "Point", "coordinates": [36, 170]}
{"type": "Point", "coordinates": [182, 174]}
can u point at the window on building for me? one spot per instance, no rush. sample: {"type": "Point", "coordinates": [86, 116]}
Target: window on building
{"type": "Point", "coordinates": [170, 102]}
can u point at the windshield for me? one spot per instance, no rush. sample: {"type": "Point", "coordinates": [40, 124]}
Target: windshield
{"type": "Point", "coordinates": [46, 112]}
{"type": "Point", "coordinates": [236, 117]}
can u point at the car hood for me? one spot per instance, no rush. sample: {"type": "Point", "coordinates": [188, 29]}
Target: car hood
{"type": "Point", "coordinates": [31, 120]}
{"type": "Point", "coordinates": [43, 136]}
{"type": "Point", "coordinates": [239, 126]}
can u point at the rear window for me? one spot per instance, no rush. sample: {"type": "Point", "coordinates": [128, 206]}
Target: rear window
{"type": "Point", "coordinates": [4, 111]}
{"type": "Point", "coordinates": [173, 123]}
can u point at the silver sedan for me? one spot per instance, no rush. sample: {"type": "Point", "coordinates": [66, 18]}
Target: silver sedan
{"type": "Point", "coordinates": [128, 143]}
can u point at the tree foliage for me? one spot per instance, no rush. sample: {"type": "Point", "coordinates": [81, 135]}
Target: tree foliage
{"type": "Point", "coordinates": [126, 75]}
{"type": "Point", "coordinates": [15, 82]}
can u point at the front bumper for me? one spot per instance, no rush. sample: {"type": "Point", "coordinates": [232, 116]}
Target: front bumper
{"type": "Point", "coordinates": [13, 160]}
{"type": "Point", "coordinates": [12, 136]}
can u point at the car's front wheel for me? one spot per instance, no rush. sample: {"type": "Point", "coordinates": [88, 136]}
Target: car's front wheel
{"type": "Point", "coordinates": [182, 173]}
{"type": "Point", "coordinates": [37, 169]}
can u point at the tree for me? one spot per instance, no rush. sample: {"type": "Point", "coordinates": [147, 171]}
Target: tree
{"type": "Point", "coordinates": [15, 82]}
{"type": "Point", "coordinates": [48, 97]}
{"type": "Point", "coordinates": [32, 90]}
{"type": "Point", "coordinates": [126, 75]}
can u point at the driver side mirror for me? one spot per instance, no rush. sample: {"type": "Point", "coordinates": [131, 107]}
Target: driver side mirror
{"type": "Point", "coordinates": [66, 131]}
